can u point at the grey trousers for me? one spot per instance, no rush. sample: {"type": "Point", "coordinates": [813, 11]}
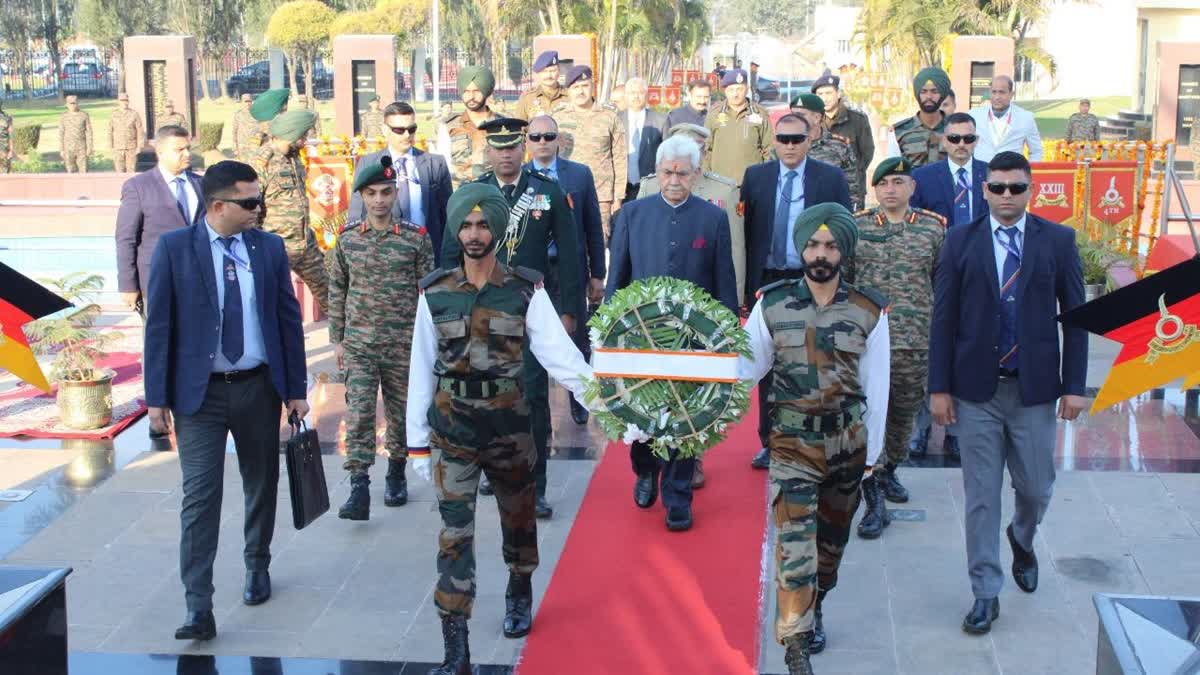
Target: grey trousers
{"type": "Point", "coordinates": [990, 435]}
{"type": "Point", "coordinates": [249, 410]}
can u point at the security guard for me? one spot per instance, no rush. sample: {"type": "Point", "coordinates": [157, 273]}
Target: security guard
{"type": "Point", "coordinates": [741, 130]}
{"type": "Point", "coordinates": [1084, 126]}
{"type": "Point", "coordinates": [919, 138]}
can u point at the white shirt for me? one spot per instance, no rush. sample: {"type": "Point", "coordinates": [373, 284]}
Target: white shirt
{"type": "Point", "coordinates": [189, 193]}
{"type": "Point", "coordinates": [796, 205]}
{"type": "Point", "coordinates": [1001, 251]}
{"type": "Point", "coordinates": [548, 341]}
{"type": "Point", "coordinates": [874, 372]}
{"type": "Point", "coordinates": [254, 350]}
{"type": "Point", "coordinates": [954, 181]}
{"type": "Point", "coordinates": [416, 210]}
{"type": "Point", "coordinates": [633, 141]}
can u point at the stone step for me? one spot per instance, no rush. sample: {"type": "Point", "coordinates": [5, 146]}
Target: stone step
{"type": "Point", "coordinates": [1134, 116]}
{"type": "Point", "coordinates": [1117, 122]}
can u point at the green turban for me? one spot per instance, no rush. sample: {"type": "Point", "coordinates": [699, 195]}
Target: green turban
{"type": "Point", "coordinates": [937, 76]}
{"type": "Point", "coordinates": [269, 104]}
{"type": "Point", "coordinates": [293, 125]}
{"type": "Point", "coordinates": [479, 76]}
{"type": "Point", "coordinates": [487, 198]}
{"type": "Point", "coordinates": [833, 216]}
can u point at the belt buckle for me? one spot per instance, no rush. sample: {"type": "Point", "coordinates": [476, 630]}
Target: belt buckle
{"type": "Point", "coordinates": [228, 376]}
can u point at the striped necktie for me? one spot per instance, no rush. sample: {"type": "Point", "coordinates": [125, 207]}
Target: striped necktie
{"type": "Point", "coordinates": [1010, 239]}
{"type": "Point", "coordinates": [962, 199]}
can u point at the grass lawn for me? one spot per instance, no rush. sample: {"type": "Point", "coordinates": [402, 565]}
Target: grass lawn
{"type": "Point", "coordinates": [1052, 113]}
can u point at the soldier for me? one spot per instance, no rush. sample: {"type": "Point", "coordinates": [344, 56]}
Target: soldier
{"type": "Point", "coordinates": [467, 144]}
{"type": "Point", "coordinates": [286, 200]}
{"type": "Point", "coordinates": [595, 137]}
{"type": "Point", "coordinates": [126, 135]}
{"type": "Point", "coordinates": [302, 104]}
{"type": "Point", "coordinates": [478, 323]}
{"type": "Point", "coordinates": [741, 130]}
{"type": "Point", "coordinates": [1083, 125]}
{"type": "Point", "coordinates": [538, 214]}
{"type": "Point", "coordinates": [373, 275]}
{"type": "Point", "coordinates": [7, 144]}
{"type": "Point", "coordinates": [949, 105]}
{"type": "Point", "coordinates": [371, 124]}
{"type": "Point", "coordinates": [829, 147]}
{"type": "Point", "coordinates": [548, 98]}
{"type": "Point", "coordinates": [826, 344]}
{"type": "Point", "coordinates": [75, 137]}
{"type": "Point", "coordinates": [853, 125]}
{"type": "Point", "coordinates": [266, 107]}
{"type": "Point", "coordinates": [170, 118]}
{"type": "Point", "coordinates": [919, 138]}
{"type": "Point", "coordinates": [897, 252]}
{"type": "Point", "coordinates": [246, 136]}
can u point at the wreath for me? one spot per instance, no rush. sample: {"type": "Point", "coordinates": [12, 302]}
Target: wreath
{"type": "Point", "coordinates": [660, 318]}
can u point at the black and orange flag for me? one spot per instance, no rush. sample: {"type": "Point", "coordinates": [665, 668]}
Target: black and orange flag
{"type": "Point", "coordinates": [1157, 322]}
{"type": "Point", "coordinates": [22, 300]}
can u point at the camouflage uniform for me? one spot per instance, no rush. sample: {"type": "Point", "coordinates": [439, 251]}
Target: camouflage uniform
{"type": "Point", "coordinates": [468, 156]}
{"type": "Point", "coordinates": [535, 102]}
{"type": "Point", "coordinates": [837, 150]}
{"type": "Point", "coordinates": [372, 124]}
{"type": "Point", "coordinates": [738, 140]}
{"type": "Point", "coordinates": [247, 135]}
{"type": "Point", "coordinates": [174, 119]}
{"type": "Point", "coordinates": [373, 276]}
{"type": "Point", "coordinates": [6, 141]}
{"type": "Point", "coordinates": [75, 140]}
{"type": "Point", "coordinates": [596, 138]}
{"type": "Point", "coordinates": [126, 134]}
{"type": "Point", "coordinates": [898, 259]}
{"type": "Point", "coordinates": [283, 190]}
{"type": "Point", "coordinates": [918, 143]}
{"type": "Point", "coordinates": [1083, 127]}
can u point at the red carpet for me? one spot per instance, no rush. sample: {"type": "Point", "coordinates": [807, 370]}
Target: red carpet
{"type": "Point", "coordinates": [26, 411]}
{"type": "Point", "coordinates": [628, 596]}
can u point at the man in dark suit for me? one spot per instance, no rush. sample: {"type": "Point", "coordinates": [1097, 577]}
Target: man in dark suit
{"type": "Point", "coordinates": [679, 235]}
{"type": "Point", "coordinates": [952, 189]}
{"type": "Point", "coordinates": [995, 371]}
{"type": "Point", "coordinates": [224, 347]}
{"type": "Point", "coordinates": [422, 178]}
{"type": "Point", "coordinates": [643, 134]}
{"type": "Point", "coordinates": [576, 182]}
{"type": "Point", "coordinates": [773, 195]}
{"type": "Point", "coordinates": [153, 203]}
{"type": "Point", "coordinates": [699, 95]}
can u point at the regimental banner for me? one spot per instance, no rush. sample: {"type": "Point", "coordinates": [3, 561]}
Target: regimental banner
{"type": "Point", "coordinates": [672, 96]}
{"type": "Point", "coordinates": [1112, 194]}
{"type": "Point", "coordinates": [654, 96]}
{"type": "Point", "coordinates": [678, 77]}
{"type": "Point", "coordinates": [329, 180]}
{"type": "Point", "coordinates": [1054, 191]}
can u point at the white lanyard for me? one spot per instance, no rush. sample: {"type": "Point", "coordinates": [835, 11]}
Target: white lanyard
{"type": "Point", "coordinates": [999, 126]}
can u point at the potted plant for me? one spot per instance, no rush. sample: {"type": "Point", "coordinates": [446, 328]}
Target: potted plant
{"type": "Point", "coordinates": [84, 390]}
{"type": "Point", "coordinates": [1098, 258]}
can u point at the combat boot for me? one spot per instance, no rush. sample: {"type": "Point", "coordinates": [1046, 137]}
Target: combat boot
{"type": "Point", "coordinates": [518, 605]}
{"type": "Point", "coordinates": [395, 491]}
{"type": "Point", "coordinates": [796, 657]}
{"type": "Point", "coordinates": [358, 504]}
{"type": "Point", "coordinates": [458, 651]}
{"type": "Point", "coordinates": [816, 644]}
{"type": "Point", "coordinates": [877, 516]}
{"type": "Point", "coordinates": [893, 491]}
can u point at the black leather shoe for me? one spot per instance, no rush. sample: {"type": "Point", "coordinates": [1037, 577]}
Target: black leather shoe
{"type": "Point", "coordinates": [698, 475]}
{"type": "Point", "coordinates": [877, 517]}
{"type": "Point", "coordinates": [358, 504]}
{"type": "Point", "coordinates": [979, 620]}
{"type": "Point", "coordinates": [919, 446]}
{"type": "Point", "coordinates": [457, 660]}
{"type": "Point", "coordinates": [893, 491]}
{"type": "Point", "coordinates": [645, 490]}
{"type": "Point", "coordinates": [485, 485]}
{"type": "Point", "coordinates": [679, 518]}
{"type": "Point", "coordinates": [542, 509]}
{"type": "Point", "coordinates": [518, 606]}
{"type": "Point", "coordinates": [199, 626]}
{"type": "Point", "coordinates": [797, 653]}
{"type": "Point", "coordinates": [1025, 565]}
{"type": "Point", "coordinates": [395, 491]}
{"type": "Point", "coordinates": [258, 587]}
{"type": "Point", "coordinates": [951, 448]}
{"type": "Point", "coordinates": [762, 460]}
{"type": "Point", "coordinates": [578, 413]}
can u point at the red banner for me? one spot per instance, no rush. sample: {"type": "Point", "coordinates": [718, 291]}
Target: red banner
{"type": "Point", "coordinates": [328, 185]}
{"type": "Point", "coordinates": [672, 96]}
{"type": "Point", "coordinates": [678, 77]}
{"type": "Point", "coordinates": [1112, 196]}
{"type": "Point", "coordinates": [654, 96]}
{"type": "Point", "coordinates": [1054, 191]}
{"type": "Point", "coordinates": [714, 79]}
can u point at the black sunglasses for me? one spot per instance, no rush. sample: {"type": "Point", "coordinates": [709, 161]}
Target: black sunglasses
{"type": "Point", "coordinates": [548, 136]}
{"type": "Point", "coordinates": [399, 131]}
{"type": "Point", "coordinates": [1013, 188]}
{"type": "Point", "coordinates": [961, 138]}
{"type": "Point", "coordinates": [250, 204]}
{"type": "Point", "coordinates": [791, 139]}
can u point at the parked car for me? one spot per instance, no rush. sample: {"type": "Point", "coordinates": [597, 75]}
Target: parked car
{"type": "Point", "coordinates": [255, 78]}
{"type": "Point", "coordinates": [789, 89]}
{"type": "Point", "coordinates": [89, 78]}
{"type": "Point", "coordinates": [767, 89]}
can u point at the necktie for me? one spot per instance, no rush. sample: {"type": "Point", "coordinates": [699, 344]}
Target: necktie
{"type": "Point", "coordinates": [635, 145]}
{"type": "Point", "coordinates": [181, 200]}
{"type": "Point", "coordinates": [1009, 239]}
{"type": "Point", "coordinates": [402, 196]}
{"type": "Point", "coordinates": [962, 199]}
{"type": "Point", "coordinates": [231, 315]}
{"type": "Point", "coordinates": [782, 227]}
{"type": "Point", "coordinates": [509, 191]}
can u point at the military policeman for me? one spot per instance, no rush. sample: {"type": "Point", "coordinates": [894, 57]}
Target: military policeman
{"type": "Point", "coordinates": [538, 215]}
{"type": "Point", "coordinates": [548, 98]}
{"type": "Point", "coordinates": [7, 143]}
{"type": "Point", "coordinates": [741, 130]}
{"type": "Point", "coordinates": [281, 175]}
{"type": "Point", "coordinates": [595, 137]}
{"type": "Point", "coordinates": [1083, 125]}
{"type": "Point", "coordinates": [170, 117]}
{"type": "Point", "coordinates": [371, 120]}
{"type": "Point", "coordinates": [477, 324]}
{"type": "Point", "coordinates": [75, 137]}
{"type": "Point", "coordinates": [126, 135]}
{"type": "Point", "coordinates": [897, 252]}
{"type": "Point", "coordinates": [461, 133]}
{"type": "Point", "coordinates": [825, 342]}
{"type": "Point", "coordinates": [246, 136]}
{"type": "Point", "coordinates": [841, 120]}
{"type": "Point", "coordinates": [827, 146]}
{"type": "Point", "coordinates": [919, 138]}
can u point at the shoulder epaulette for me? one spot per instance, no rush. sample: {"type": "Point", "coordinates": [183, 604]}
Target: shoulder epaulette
{"type": "Point", "coordinates": [863, 212]}
{"type": "Point", "coordinates": [720, 179]}
{"type": "Point", "coordinates": [932, 214]}
{"type": "Point", "coordinates": [433, 277]}
{"type": "Point", "coordinates": [485, 177]}
{"type": "Point", "coordinates": [874, 295]}
{"type": "Point", "coordinates": [528, 274]}
{"type": "Point", "coordinates": [773, 285]}
{"type": "Point", "coordinates": [410, 226]}
{"type": "Point", "coordinates": [350, 225]}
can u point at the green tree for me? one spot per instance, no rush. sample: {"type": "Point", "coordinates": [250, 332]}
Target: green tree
{"type": "Point", "coordinates": [403, 18]}
{"type": "Point", "coordinates": [778, 18]}
{"type": "Point", "coordinates": [109, 22]}
{"type": "Point", "coordinates": [301, 28]}
{"type": "Point", "coordinates": [215, 24]}
{"type": "Point", "coordinates": [16, 22]}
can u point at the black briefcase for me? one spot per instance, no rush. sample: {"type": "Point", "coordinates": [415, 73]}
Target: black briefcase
{"type": "Point", "coordinates": [306, 474]}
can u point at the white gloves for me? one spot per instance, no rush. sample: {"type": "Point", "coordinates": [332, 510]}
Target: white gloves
{"type": "Point", "coordinates": [422, 467]}
{"type": "Point", "coordinates": [635, 435]}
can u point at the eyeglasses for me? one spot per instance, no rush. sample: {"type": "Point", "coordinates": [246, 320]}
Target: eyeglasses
{"type": "Point", "coordinates": [250, 204]}
{"type": "Point", "coordinates": [400, 131]}
{"type": "Point", "coordinates": [548, 137]}
{"type": "Point", "coordinates": [791, 139]}
{"type": "Point", "coordinates": [1013, 188]}
{"type": "Point", "coordinates": [962, 138]}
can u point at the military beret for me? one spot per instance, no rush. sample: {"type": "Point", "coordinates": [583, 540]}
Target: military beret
{"type": "Point", "coordinates": [577, 73]}
{"type": "Point", "coordinates": [246, 98]}
{"type": "Point", "coordinates": [892, 166]}
{"type": "Point", "coordinates": [827, 79]}
{"type": "Point", "coordinates": [374, 173]}
{"type": "Point", "coordinates": [809, 102]}
{"type": "Point", "coordinates": [504, 132]}
{"type": "Point", "coordinates": [293, 125]}
{"type": "Point", "coordinates": [937, 76]}
{"type": "Point", "coordinates": [545, 60]}
{"type": "Point", "coordinates": [689, 128]}
{"type": "Point", "coordinates": [269, 104]}
{"type": "Point", "coordinates": [733, 76]}
{"type": "Point", "coordinates": [479, 76]}
{"type": "Point", "coordinates": [373, 98]}
{"type": "Point", "coordinates": [831, 216]}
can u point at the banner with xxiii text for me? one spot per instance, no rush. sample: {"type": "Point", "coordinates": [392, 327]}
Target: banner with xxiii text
{"type": "Point", "coordinates": [1054, 191]}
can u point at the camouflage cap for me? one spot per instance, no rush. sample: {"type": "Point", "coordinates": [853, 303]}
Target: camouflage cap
{"type": "Point", "coordinates": [830, 216]}
{"type": "Point", "coordinates": [375, 173]}
{"type": "Point", "coordinates": [477, 196]}
{"type": "Point", "coordinates": [293, 125]}
{"type": "Point", "coordinates": [269, 104]}
{"type": "Point", "coordinates": [504, 132]}
{"type": "Point", "coordinates": [892, 166]}
{"type": "Point", "coordinates": [374, 98]}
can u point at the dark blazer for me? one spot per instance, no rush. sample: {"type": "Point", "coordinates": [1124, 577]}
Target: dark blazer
{"type": "Point", "coordinates": [183, 318]}
{"type": "Point", "coordinates": [823, 183]}
{"type": "Point", "coordinates": [577, 183]}
{"type": "Point", "coordinates": [434, 177]}
{"type": "Point", "coordinates": [148, 210]}
{"type": "Point", "coordinates": [935, 189]}
{"type": "Point", "coordinates": [965, 329]}
{"type": "Point", "coordinates": [684, 114]}
{"type": "Point", "coordinates": [652, 137]}
{"type": "Point", "coordinates": [691, 242]}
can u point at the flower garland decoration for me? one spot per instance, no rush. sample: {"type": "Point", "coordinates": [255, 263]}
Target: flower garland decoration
{"type": "Point", "coordinates": [663, 314]}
